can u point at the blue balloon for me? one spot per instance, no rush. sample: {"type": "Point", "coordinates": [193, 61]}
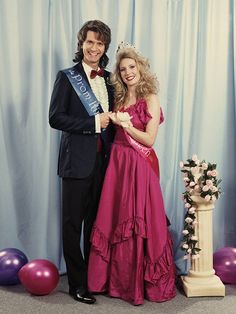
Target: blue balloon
{"type": "Point", "coordinates": [11, 261]}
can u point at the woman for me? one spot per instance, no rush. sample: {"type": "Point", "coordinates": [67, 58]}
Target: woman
{"type": "Point", "coordinates": [131, 254]}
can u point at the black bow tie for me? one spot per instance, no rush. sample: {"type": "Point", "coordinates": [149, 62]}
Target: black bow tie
{"type": "Point", "coordinates": [94, 73]}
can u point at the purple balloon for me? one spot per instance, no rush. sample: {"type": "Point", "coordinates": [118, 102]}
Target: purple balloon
{"type": "Point", "coordinates": [11, 261]}
{"type": "Point", "coordinates": [39, 276]}
{"type": "Point", "coordinates": [224, 263]}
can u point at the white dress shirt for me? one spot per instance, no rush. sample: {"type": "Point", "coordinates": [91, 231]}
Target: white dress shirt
{"type": "Point", "coordinates": [99, 89]}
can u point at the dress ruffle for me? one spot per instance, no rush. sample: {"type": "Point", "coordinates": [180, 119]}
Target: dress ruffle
{"type": "Point", "coordinates": [123, 232]}
{"type": "Point", "coordinates": [153, 270]}
{"type": "Point", "coordinates": [141, 109]}
{"type": "Point", "coordinates": [100, 243]}
{"type": "Point", "coordinates": [127, 229]}
{"type": "Point", "coordinates": [143, 113]}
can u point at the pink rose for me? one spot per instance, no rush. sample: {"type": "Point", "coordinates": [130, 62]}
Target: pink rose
{"type": "Point", "coordinates": [209, 173]}
{"type": "Point", "coordinates": [214, 173]}
{"type": "Point", "coordinates": [209, 183]}
{"type": "Point", "coordinates": [207, 197]}
{"type": "Point", "coordinates": [191, 183]}
{"type": "Point", "coordinates": [187, 205]}
{"type": "Point", "coordinates": [204, 166]}
{"type": "Point", "coordinates": [205, 188]}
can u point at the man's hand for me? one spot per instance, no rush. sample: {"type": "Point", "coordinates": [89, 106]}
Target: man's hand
{"type": "Point", "coordinates": [104, 119]}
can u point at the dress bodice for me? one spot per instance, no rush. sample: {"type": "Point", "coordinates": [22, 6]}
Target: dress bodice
{"type": "Point", "coordinates": [140, 118]}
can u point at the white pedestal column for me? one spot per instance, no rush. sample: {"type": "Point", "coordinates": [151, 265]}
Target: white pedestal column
{"type": "Point", "coordinates": [201, 279]}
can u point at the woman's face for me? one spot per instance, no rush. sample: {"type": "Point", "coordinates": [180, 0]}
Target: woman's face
{"type": "Point", "coordinates": [129, 72]}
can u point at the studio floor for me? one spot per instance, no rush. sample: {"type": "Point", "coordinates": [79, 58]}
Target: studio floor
{"type": "Point", "coordinates": [15, 300]}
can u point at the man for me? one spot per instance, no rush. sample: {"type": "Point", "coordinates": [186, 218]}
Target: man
{"type": "Point", "coordinates": [80, 105]}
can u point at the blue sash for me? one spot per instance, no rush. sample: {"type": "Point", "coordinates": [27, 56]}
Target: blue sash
{"type": "Point", "coordinates": [84, 91]}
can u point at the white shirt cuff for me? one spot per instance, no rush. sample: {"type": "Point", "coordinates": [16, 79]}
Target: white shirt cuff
{"type": "Point", "coordinates": [97, 124]}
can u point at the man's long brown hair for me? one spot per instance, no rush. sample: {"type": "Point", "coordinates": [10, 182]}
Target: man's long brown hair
{"type": "Point", "coordinates": [104, 34]}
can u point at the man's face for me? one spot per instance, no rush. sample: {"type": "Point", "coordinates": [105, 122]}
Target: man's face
{"type": "Point", "coordinates": [93, 49]}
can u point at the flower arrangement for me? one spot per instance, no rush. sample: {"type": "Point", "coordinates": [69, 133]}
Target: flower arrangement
{"type": "Point", "coordinates": [200, 178]}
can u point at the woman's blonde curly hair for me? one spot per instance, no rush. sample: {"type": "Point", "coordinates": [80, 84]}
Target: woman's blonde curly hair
{"type": "Point", "coordinates": [148, 83]}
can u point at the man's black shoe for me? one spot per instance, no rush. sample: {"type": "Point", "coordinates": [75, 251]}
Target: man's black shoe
{"type": "Point", "coordinates": [82, 295]}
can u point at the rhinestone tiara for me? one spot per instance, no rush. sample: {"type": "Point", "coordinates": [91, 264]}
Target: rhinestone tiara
{"type": "Point", "coordinates": [125, 45]}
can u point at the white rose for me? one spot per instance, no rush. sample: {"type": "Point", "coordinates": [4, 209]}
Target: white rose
{"type": "Point", "coordinates": [205, 188]}
{"type": "Point", "coordinates": [213, 198]}
{"type": "Point", "coordinates": [191, 210]}
{"type": "Point", "coordinates": [207, 197]}
{"type": "Point", "coordinates": [124, 119]}
{"type": "Point", "coordinates": [197, 162]}
{"type": "Point", "coordinates": [185, 232]}
{"type": "Point", "coordinates": [181, 164]}
{"type": "Point", "coordinates": [187, 205]}
{"type": "Point", "coordinates": [194, 157]}
{"type": "Point", "coordinates": [192, 183]}
{"type": "Point", "coordinates": [204, 166]}
{"type": "Point", "coordinates": [194, 238]}
{"type": "Point", "coordinates": [214, 189]}
{"type": "Point", "coordinates": [188, 220]}
{"type": "Point", "coordinates": [123, 116]}
{"type": "Point", "coordinates": [185, 246]}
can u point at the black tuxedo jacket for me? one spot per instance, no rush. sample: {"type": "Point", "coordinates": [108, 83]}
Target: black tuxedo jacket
{"type": "Point", "coordinates": [78, 146]}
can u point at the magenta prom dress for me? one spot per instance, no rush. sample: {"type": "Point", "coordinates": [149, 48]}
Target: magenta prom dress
{"type": "Point", "coordinates": [131, 248]}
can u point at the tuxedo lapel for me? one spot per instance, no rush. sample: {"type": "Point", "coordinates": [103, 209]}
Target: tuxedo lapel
{"type": "Point", "coordinates": [110, 90]}
{"type": "Point", "coordinates": [80, 68]}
